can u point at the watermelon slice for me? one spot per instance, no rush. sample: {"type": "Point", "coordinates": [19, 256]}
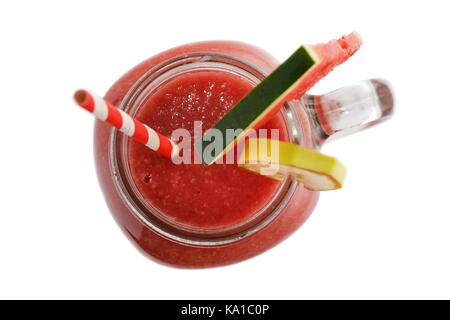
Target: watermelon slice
{"type": "Point", "coordinates": [289, 81]}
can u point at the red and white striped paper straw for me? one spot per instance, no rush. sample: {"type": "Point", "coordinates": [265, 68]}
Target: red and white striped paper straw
{"type": "Point", "coordinates": [105, 111]}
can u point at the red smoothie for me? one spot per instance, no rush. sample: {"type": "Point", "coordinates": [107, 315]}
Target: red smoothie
{"type": "Point", "coordinates": [196, 203]}
{"type": "Point", "coordinates": [218, 196]}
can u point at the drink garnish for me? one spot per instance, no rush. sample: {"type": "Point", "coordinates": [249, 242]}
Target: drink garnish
{"type": "Point", "coordinates": [317, 171]}
{"type": "Point", "coordinates": [289, 81]}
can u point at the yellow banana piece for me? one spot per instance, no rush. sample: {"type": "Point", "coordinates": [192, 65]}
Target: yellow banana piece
{"type": "Point", "coordinates": [277, 159]}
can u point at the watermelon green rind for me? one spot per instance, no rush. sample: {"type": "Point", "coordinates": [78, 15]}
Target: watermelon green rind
{"type": "Point", "coordinates": [262, 99]}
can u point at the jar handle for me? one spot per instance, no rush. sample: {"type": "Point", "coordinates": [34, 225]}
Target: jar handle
{"type": "Point", "coordinates": [349, 109]}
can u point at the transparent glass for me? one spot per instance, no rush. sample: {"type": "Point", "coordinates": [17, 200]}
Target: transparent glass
{"type": "Point", "coordinates": [349, 109]}
{"type": "Point", "coordinates": [309, 122]}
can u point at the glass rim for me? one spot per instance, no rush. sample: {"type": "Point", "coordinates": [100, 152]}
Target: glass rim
{"type": "Point", "coordinates": [154, 218]}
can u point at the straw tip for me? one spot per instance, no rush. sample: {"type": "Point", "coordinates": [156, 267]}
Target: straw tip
{"type": "Point", "coordinates": [80, 96]}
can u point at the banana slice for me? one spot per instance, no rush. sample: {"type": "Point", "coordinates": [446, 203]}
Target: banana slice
{"type": "Point", "coordinates": [278, 159]}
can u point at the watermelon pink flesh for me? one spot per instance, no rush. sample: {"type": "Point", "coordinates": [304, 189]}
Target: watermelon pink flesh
{"type": "Point", "coordinates": [330, 55]}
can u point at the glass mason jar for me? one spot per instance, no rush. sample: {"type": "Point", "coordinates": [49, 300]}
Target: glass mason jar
{"type": "Point", "coordinates": [308, 122]}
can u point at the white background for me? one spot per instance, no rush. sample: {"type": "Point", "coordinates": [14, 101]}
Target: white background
{"type": "Point", "coordinates": [386, 234]}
